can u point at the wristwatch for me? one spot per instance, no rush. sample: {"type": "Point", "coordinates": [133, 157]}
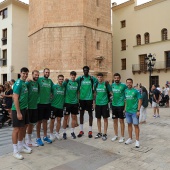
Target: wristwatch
{"type": "Point", "coordinates": [137, 110]}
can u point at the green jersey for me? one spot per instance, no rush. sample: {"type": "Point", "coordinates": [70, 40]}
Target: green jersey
{"type": "Point", "coordinates": [32, 94]}
{"type": "Point", "coordinates": [58, 93]}
{"type": "Point", "coordinates": [45, 89]}
{"type": "Point", "coordinates": [102, 90]}
{"type": "Point", "coordinates": [21, 89]}
{"type": "Point", "coordinates": [132, 97]}
{"type": "Point", "coordinates": [86, 85]}
{"type": "Point", "coordinates": [71, 92]}
{"type": "Point", "coordinates": [118, 94]}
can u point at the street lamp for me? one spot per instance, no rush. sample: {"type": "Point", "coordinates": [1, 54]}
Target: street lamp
{"type": "Point", "coordinates": [150, 61]}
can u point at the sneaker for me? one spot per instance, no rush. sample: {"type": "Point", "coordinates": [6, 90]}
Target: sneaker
{"type": "Point", "coordinates": [154, 116]}
{"type": "Point", "coordinates": [81, 133]}
{"type": "Point", "coordinates": [64, 136]}
{"type": "Point", "coordinates": [99, 135]}
{"type": "Point", "coordinates": [18, 156]}
{"type": "Point", "coordinates": [104, 137]}
{"type": "Point", "coordinates": [58, 137]}
{"type": "Point", "coordinates": [73, 135]}
{"type": "Point", "coordinates": [121, 140]}
{"type": "Point", "coordinates": [39, 142]}
{"type": "Point", "coordinates": [31, 144]}
{"type": "Point", "coordinates": [47, 140]}
{"type": "Point", "coordinates": [129, 141]}
{"type": "Point", "coordinates": [158, 116]}
{"type": "Point", "coordinates": [52, 138]}
{"type": "Point", "coordinates": [26, 147]}
{"type": "Point", "coordinates": [90, 134]}
{"type": "Point", "coordinates": [137, 144]}
{"type": "Point", "coordinates": [23, 150]}
{"type": "Point", "coordinates": [114, 138]}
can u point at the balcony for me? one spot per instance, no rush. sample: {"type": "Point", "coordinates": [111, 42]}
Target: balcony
{"type": "Point", "coordinates": [160, 65]}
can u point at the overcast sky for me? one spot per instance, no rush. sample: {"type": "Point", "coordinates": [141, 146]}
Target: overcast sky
{"type": "Point", "coordinates": [117, 1]}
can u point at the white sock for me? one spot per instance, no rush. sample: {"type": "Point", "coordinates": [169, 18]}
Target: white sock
{"type": "Point", "coordinates": [57, 133]}
{"type": "Point", "coordinates": [81, 127]}
{"type": "Point", "coordinates": [23, 141]}
{"type": "Point", "coordinates": [72, 130]}
{"type": "Point", "coordinates": [51, 135]}
{"type": "Point", "coordinates": [64, 130]}
{"type": "Point", "coordinates": [90, 128]}
{"type": "Point", "coordinates": [15, 148]}
{"type": "Point", "coordinates": [20, 145]}
{"type": "Point", "coordinates": [29, 137]}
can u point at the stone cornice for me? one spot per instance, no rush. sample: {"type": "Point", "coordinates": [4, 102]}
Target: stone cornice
{"type": "Point", "coordinates": [125, 4]}
{"type": "Point", "coordinates": [148, 4]}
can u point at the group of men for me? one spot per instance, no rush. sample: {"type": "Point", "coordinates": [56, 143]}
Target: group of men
{"type": "Point", "coordinates": [38, 100]}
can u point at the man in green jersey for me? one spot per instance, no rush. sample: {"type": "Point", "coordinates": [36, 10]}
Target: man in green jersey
{"type": "Point", "coordinates": [32, 106]}
{"type": "Point", "coordinates": [86, 85]}
{"type": "Point", "coordinates": [71, 104]}
{"type": "Point", "coordinates": [102, 99]}
{"type": "Point", "coordinates": [44, 107]}
{"type": "Point", "coordinates": [118, 104]}
{"type": "Point", "coordinates": [57, 103]}
{"type": "Point", "coordinates": [20, 115]}
{"type": "Point", "coordinates": [133, 104]}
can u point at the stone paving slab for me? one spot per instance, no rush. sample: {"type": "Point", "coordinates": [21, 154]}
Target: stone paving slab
{"type": "Point", "coordinates": [91, 154]}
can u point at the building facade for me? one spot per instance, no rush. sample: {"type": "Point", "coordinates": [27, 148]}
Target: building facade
{"type": "Point", "coordinates": [67, 35]}
{"type": "Point", "coordinates": [137, 32]}
{"type": "Point", "coordinates": [14, 38]}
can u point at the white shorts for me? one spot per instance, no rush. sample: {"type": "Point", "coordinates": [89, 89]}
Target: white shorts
{"type": "Point", "coordinates": [154, 104]}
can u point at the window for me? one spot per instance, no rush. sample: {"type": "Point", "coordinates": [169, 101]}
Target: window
{"type": "Point", "coordinates": [154, 80]}
{"type": "Point", "coordinates": [164, 34]}
{"type": "Point", "coordinates": [142, 63]}
{"type": "Point", "coordinates": [123, 64]}
{"type": "Point", "coordinates": [4, 57]}
{"type": "Point", "coordinates": [146, 36]}
{"type": "Point", "coordinates": [123, 23]}
{"type": "Point", "coordinates": [98, 45]}
{"type": "Point", "coordinates": [98, 21]}
{"type": "Point", "coordinates": [4, 37]}
{"type": "Point", "coordinates": [4, 13]}
{"type": "Point", "coordinates": [123, 43]}
{"type": "Point", "coordinates": [138, 39]}
{"type": "Point", "coordinates": [97, 2]}
{"type": "Point", "coordinates": [4, 77]}
{"type": "Point", "coordinates": [167, 59]}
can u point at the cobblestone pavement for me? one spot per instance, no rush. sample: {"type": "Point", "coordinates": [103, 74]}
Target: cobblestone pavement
{"type": "Point", "coordinates": [90, 154]}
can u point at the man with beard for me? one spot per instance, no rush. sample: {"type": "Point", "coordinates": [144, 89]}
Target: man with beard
{"type": "Point", "coordinates": [133, 105]}
{"type": "Point", "coordinates": [86, 84]}
{"type": "Point", "coordinates": [32, 106]}
{"type": "Point", "coordinates": [44, 107]}
{"type": "Point", "coordinates": [118, 105]}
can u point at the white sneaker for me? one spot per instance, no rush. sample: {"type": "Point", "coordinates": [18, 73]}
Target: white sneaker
{"type": "Point", "coordinates": [137, 144]}
{"type": "Point", "coordinates": [26, 147]}
{"type": "Point", "coordinates": [58, 137]}
{"type": "Point", "coordinates": [121, 140]}
{"type": "Point", "coordinates": [18, 156]}
{"type": "Point", "coordinates": [114, 138]}
{"type": "Point", "coordinates": [129, 141]}
{"type": "Point", "coordinates": [31, 143]}
{"type": "Point", "coordinates": [25, 151]}
{"type": "Point", "coordinates": [52, 137]}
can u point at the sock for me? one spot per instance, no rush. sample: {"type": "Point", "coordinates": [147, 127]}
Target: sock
{"type": "Point", "coordinates": [29, 138]}
{"type": "Point", "coordinates": [20, 145]}
{"type": "Point", "coordinates": [57, 133]}
{"type": "Point", "coordinates": [51, 135]}
{"type": "Point", "coordinates": [23, 141]}
{"type": "Point", "coordinates": [90, 128]}
{"type": "Point", "coordinates": [81, 127]}
{"type": "Point", "coordinates": [72, 130]}
{"type": "Point", "coordinates": [15, 148]}
{"type": "Point", "coordinates": [64, 130]}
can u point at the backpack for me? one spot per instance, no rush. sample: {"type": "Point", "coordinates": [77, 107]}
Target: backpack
{"type": "Point", "coordinates": [108, 93]}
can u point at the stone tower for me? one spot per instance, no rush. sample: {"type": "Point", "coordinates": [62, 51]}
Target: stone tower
{"type": "Point", "coordinates": [65, 35]}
